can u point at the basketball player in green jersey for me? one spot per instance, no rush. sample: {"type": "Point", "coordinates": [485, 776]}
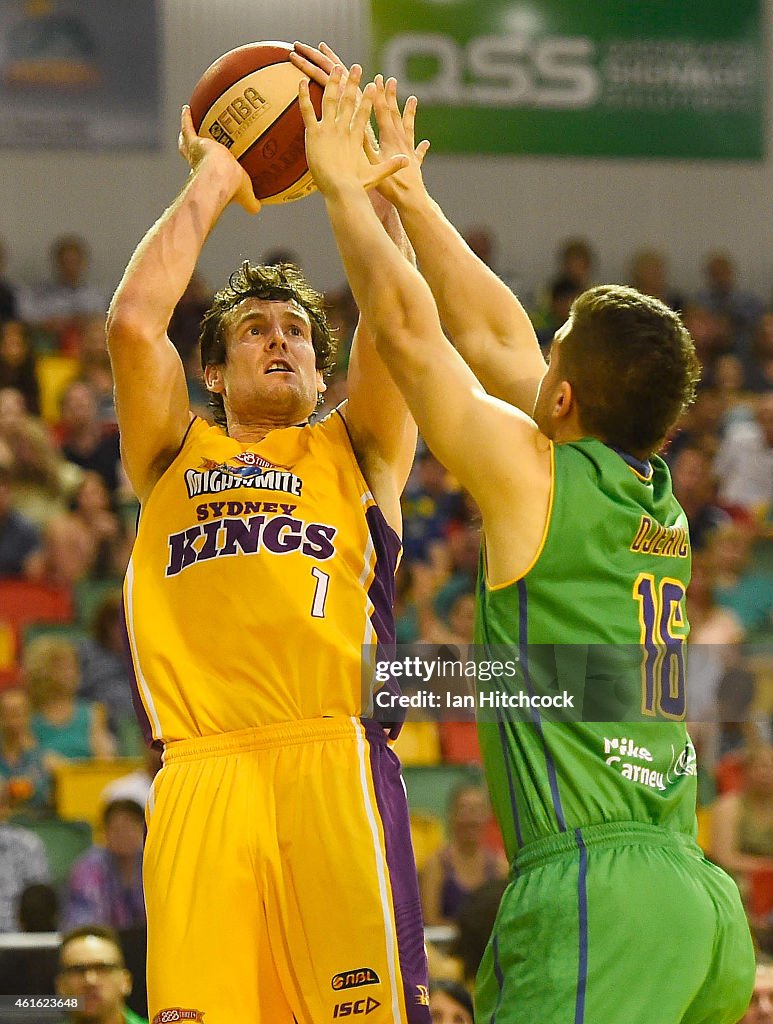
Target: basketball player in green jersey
{"type": "Point", "coordinates": [612, 915]}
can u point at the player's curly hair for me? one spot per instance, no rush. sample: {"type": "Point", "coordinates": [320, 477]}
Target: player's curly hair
{"type": "Point", "coordinates": [632, 366]}
{"type": "Point", "coordinates": [280, 282]}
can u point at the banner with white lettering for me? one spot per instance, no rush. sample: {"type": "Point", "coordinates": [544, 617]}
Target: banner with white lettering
{"type": "Point", "coordinates": [79, 74]}
{"type": "Point", "coordinates": [666, 78]}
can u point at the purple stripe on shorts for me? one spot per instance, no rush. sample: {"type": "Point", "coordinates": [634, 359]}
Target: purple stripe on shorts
{"type": "Point", "coordinates": [139, 707]}
{"type": "Point", "coordinates": [393, 810]}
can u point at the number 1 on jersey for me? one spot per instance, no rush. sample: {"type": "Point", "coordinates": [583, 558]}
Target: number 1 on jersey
{"type": "Point", "coordinates": [663, 633]}
{"type": "Point", "coordinates": [320, 593]}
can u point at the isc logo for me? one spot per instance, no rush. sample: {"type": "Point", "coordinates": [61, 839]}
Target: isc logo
{"type": "Point", "coordinates": [358, 1006]}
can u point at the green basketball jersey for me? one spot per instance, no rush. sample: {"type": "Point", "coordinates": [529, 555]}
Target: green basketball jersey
{"type": "Point", "coordinates": [601, 615]}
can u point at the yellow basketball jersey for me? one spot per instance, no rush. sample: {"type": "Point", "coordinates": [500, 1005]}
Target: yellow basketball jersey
{"type": "Point", "coordinates": [258, 573]}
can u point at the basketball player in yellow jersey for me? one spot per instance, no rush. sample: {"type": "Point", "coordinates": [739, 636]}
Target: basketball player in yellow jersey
{"type": "Point", "coordinates": [279, 876]}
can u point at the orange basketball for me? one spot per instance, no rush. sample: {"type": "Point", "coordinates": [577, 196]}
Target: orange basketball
{"type": "Point", "coordinates": [248, 100]}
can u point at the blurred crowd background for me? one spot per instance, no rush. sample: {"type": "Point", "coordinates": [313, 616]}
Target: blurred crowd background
{"type": "Point", "coordinates": [73, 771]}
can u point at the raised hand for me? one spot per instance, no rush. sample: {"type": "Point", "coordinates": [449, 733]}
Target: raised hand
{"type": "Point", "coordinates": [316, 63]}
{"type": "Point", "coordinates": [334, 143]}
{"type": "Point", "coordinates": [195, 149]}
{"type": "Point", "coordinates": [396, 135]}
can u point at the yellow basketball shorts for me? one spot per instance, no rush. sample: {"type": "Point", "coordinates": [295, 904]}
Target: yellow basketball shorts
{"type": "Point", "coordinates": [280, 882]}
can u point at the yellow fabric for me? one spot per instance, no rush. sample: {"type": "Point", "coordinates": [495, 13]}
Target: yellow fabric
{"type": "Point", "coordinates": [266, 849]}
{"type": "Point", "coordinates": [223, 639]}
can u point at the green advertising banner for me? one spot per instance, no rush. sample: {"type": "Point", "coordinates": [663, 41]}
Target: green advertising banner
{"type": "Point", "coordinates": [632, 78]}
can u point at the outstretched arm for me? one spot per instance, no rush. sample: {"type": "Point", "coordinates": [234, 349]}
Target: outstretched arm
{"type": "Point", "coordinates": [150, 391]}
{"type": "Point", "coordinates": [382, 429]}
{"type": "Point", "coordinates": [485, 321]}
{"type": "Point", "coordinates": [495, 451]}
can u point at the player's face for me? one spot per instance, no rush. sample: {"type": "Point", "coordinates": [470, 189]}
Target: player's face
{"type": "Point", "coordinates": [271, 363]}
{"type": "Point", "coordinates": [546, 394]}
{"type": "Point", "coordinates": [92, 969]}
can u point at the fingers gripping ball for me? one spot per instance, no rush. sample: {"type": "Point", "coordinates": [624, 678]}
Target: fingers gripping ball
{"type": "Point", "coordinates": [248, 100]}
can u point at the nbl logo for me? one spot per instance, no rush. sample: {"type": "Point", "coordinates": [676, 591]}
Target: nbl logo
{"type": "Point", "coordinates": [355, 979]}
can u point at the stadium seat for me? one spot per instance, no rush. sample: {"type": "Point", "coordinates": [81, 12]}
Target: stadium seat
{"type": "Point", "coordinates": [22, 603]}
{"type": "Point", "coordinates": [79, 785]}
{"type": "Point", "coordinates": [54, 372]}
{"type": "Point", "coordinates": [64, 842]}
{"type": "Point", "coordinates": [427, 835]}
{"type": "Point", "coordinates": [429, 786]}
{"type": "Point", "coordinates": [88, 594]}
{"type": "Point", "coordinates": [418, 743]}
{"type": "Point", "coordinates": [459, 743]}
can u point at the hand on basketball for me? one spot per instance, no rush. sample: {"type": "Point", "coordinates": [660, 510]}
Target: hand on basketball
{"type": "Point", "coordinates": [317, 64]}
{"type": "Point", "coordinates": [396, 135]}
{"type": "Point", "coordinates": [195, 149]}
{"type": "Point", "coordinates": [334, 144]}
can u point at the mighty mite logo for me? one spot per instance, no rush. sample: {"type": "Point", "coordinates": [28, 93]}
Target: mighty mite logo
{"type": "Point", "coordinates": [246, 470]}
{"type": "Point", "coordinates": [244, 527]}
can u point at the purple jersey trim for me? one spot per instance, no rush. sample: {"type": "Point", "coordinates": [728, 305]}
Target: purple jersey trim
{"type": "Point", "coordinates": [139, 707]}
{"type": "Point", "coordinates": [403, 882]}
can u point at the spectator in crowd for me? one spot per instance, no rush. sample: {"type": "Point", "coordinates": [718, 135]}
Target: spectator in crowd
{"type": "Point", "coordinates": [740, 728]}
{"type": "Point", "coordinates": [91, 967]}
{"type": "Point", "coordinates": [649, 275]}
{"type": "Point", "coordinates": [721, 295]}
{"type": "Point", "coordinates": [105, 885]}
{"type": "Point", "coordinates": [65, 726]}
{"type": "Point", "coordinates": [759, 368]}
{"type": "Point", "coordinates": [474, 922]}
{"type": "Point", "coordinates": [184, 327]}
{"type": "Point", "coordinates": [87, 541]}
{"type": "Point", "coordinates": [21, 758]}
{"type": "Point", "coordinates": [744, 463]}
{"type": "Point", "coordinates": [105, 673]}
{"type": "Point", "coordinates": [715, 636]}
{"type": "Point", "coordinates": [464, 863]}
{"type": "Point", "coordinates": [694, 486]}
{"type": "Point", "coordinates": [710, 331]}
{"type": "Point", "coordinates": [39, 908]}
{"type": "Point", "coordinates": [41, 478]}
{"type": "Point", "coordinates": [60, 305]}
{"type": "Point", "coordinates": [18, 365]}
{"type": "Point", "coordinates": [8, 301]}
{"type": "Point", "coordinates": [22, 862]}
{"type": "Point", "coordinates": [19, 536]}
{"type": "Point", "coordinates": [85, 440]}
{"type": "Point", "coordinates": [459, 562]}
{"type": "Point", "coordinates": [761, 1007]}
{"type": "Point", "coordinates": [742, 832]}
{"type": "Point", "coordinates": [561, 294]}
{"type": "Point", "coordinates": [136, 785]}
{"type": "Point", "coordinates": [449, 1003]}
{"type": "Point", "coordinates": [96, 371]}
{"type": "Point", "coordinates": [702, 425]}
{"type": "Point", "coordinates": [576, 260]}
{"type": "Point", "coordinates": [740, 585]}
{"type": "Point", "coordinates": [427, 505]}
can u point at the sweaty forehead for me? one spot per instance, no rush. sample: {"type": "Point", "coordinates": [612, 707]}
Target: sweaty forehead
{"type": "Point", "coordinates": [263, 308]}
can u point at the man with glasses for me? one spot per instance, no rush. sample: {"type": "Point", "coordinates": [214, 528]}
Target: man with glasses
{"type": "Point", "coordinates": [91, 968]}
